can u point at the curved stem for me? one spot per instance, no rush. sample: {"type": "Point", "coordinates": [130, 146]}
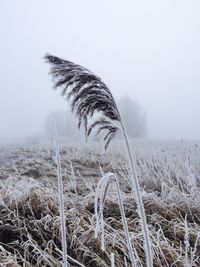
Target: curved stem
{"type": "Point", "coordinates": [125, 224]}
{"type": "Point", "coordinates": [104, 183]}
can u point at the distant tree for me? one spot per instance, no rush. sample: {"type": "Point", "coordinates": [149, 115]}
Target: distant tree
{"type": "Point", "coordinates": [134, 117]}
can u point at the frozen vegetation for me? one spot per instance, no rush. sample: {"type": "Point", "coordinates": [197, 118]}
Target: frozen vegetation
{"type": "Point", "coordinates": [168, 174]}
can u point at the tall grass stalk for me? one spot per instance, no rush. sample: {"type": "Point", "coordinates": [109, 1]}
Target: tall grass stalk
{"type": "Point", "coordinates": [186, 242]}
{"type": "Point", "coordinates": [112, 258]}
{"type": "Point", "coordinates": [193, 254]}
{"type": "Point", "coordinates": [61, 197]}
{"type": "Point", "coordinates": [138, 198]}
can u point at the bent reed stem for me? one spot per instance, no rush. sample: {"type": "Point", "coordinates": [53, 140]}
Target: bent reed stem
{"type": "Point", "coordinates": [139, 202]}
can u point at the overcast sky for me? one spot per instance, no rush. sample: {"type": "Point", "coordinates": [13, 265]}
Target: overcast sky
{"type": "Point", "coordinates": [149, 50]}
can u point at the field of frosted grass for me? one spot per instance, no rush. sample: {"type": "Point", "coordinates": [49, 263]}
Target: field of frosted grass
{"type": "Point", "coordinates": [168, 172]}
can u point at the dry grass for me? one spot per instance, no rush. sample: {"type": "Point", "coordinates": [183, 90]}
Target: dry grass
{"type": "Point", "coordinates": [29, 216]}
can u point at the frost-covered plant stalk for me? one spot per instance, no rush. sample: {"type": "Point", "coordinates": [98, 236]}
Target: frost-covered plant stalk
{"type": "Point", "coordinates": [100, 195]}
{"type": "Point", "coordinates": [112, 256]}
{"type": "Point", "coordinates": [61, 197]}
{"type": "Point", "coordinates": [90, 96]}
{"type": "Point", "coordinates": [186, 242]}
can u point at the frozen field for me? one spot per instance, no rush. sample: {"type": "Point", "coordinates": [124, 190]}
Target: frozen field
{"type": "Point", "coordinates": [169, 175]}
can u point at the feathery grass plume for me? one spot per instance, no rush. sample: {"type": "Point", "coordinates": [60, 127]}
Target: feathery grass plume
{"type": "Point", "coordinates": [90, 95]}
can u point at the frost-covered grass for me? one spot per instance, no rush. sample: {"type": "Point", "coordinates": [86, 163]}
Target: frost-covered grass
{"type": "Point", "coordinates": [168, 173]}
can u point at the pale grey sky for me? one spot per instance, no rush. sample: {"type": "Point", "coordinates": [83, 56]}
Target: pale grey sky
{"type": "Point", "coordinates": [149, 50]}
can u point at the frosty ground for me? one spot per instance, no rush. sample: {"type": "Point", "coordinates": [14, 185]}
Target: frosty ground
{"type": "Point", "coordinates": [168, 173]}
